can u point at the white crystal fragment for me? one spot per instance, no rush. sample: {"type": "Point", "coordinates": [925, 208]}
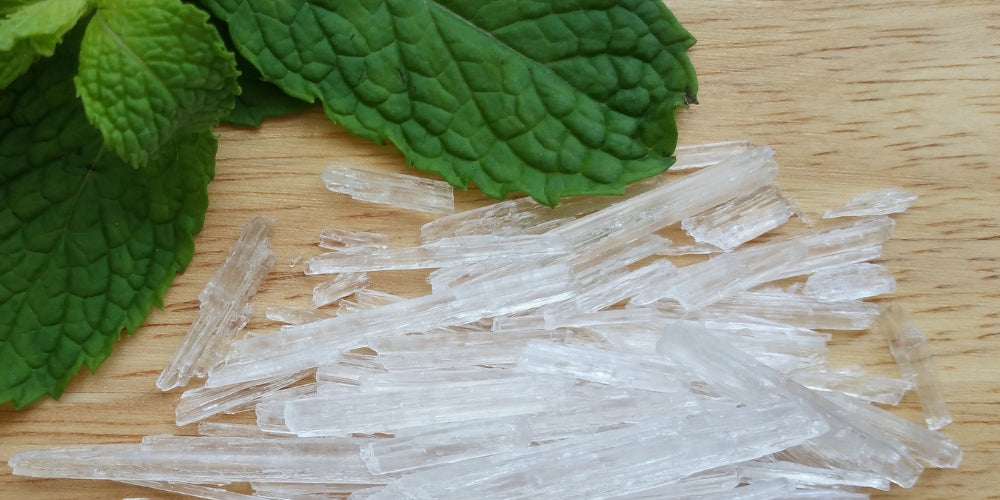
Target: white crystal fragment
{"type": "Point", "coordinates": [798, 310]}
{"type": "Point", "coordinates": [853, 382]}
{"type": "Point", "coordinates": [293, 315]}
{"type": "Point", "coordinates": [740, 220]}
{"type": "Point", "coordinates": [334, 238]}
{"type": "Point", "coordinates": [447, 252]}
{"type": "Point", "coordinates": [312, 344]}
{"type": "Point", "coordinates": [202, 459]}
{"type": "Point", "coordinates": [434, 350]}
{"type": "Point", "coordinates": [808, 476]}
{"type": "Point", "coordinates": [851, 281]}
{"type": "Point", "coordinates": [878, 202]}
{"type": "Point", "coordinates": [350, 368]}
{"type": "Point", "coordinates": [634, 458]}
{"type": "Point", "coordinates": [916, 364]}
{"type": "Point", "coordinates": [388, 188]}
{"type": "Point", "coordinates": [423, 447]}
{"type": "Point", "coordinates": [354, 411]}
{"type": "Point", "coordinates": [225, 306]}
{"type": "Point", "coordinates": [193, 490]}
{"type": "Point", "coordinates": [341, 286]}
{"type": "Point", "coordinates": [703, 155]}
{"type": "Point", "coordinates": [199, 404]}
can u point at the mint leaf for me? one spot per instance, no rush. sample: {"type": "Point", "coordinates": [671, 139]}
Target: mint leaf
{"type": "Point", "coordinates": [259, 99]}
{"type": "Point", "coordinates": [152, 69]}
{"type": "Point", "coordinates": [549, 98]}
{"type": "Point", "coordinates": [89, 243]}
{"type": "Point", "coordinates": [29, 30]}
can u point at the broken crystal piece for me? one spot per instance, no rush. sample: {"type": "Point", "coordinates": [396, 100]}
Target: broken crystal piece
{"type": "Point", "coordinates": [878, 202]}
{"type": "Point", "coordinates": [730, 372]}
{"type": "Point", "coordinates": [423, 447]}
{"type": "Point", "coordinates": [387, 188]}
{"type": "Point", "coordinates": [349, 369]}
{"type": "Point", "coordinates": [338, 239]}
{"type": "Point", "coordinates": [796, 310]}
{"type": "Point", "coordinates": [851, 281]}
{"type": "Point", "coordinates": [225, 306]}
{"type": "Point", "coordinates": [741, 219]}
{"type": "Point", "coordinates": [808, 476]}
{"type": "Point", "coordinates": [853, 382]}
{"type": "Point", "coordinates": [202, 459]}
{"type": "Point", "coordinates": [193, 490]}
{"type": "Point", "coordinates": [909, 347]}
{"type": "Point", "coordinates": [307, 490]}
{"type": "Point", "coordinates": [312, 344]}
{"type": "Point", "coordinates": [446, 349]}
{"type": "Point", "coordinates": [341, 286]}
{"type": "Point", "coordinates": [703, 155]}
{"type": "Point", "coordinates": [698, 285]}
{"type": "Point", "coordinates": [671, 202]}
{"type": "Point", "coordinates": [293, 315]}
{"type": "Point", "coordinates": [657, 451]}
{"type": "Point", "coordinates": [601, 366]}
{"type": "Point", "coordinates": [840, 244]}
{"type": "Point", "coordinates": [353, 411]}
{"type": "Point", "coordinates": [441, 253]}
{"type": "Point", "coordinates": [201, 403]}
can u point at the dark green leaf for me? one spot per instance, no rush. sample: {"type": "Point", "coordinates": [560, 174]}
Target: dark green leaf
{"type": "Point", "coordinates": [89, 243]}
{"type": "Point", "coordinates": [548, 98]}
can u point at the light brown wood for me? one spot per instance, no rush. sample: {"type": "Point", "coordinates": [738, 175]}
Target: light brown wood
{"type": "Point", "coordinates": [853, 95]}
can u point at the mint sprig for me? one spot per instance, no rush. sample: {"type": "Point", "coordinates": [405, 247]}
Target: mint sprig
{"type": "Point", "coordinates": [107, 109]}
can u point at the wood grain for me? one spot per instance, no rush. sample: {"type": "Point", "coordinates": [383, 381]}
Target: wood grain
{"type": "Point", "coordinates": [853, 95]}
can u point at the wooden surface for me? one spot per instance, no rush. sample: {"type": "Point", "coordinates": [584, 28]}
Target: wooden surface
{"type": "Point", "coordinates": [853, 96]}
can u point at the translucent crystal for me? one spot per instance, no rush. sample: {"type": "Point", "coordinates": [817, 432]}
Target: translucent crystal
{"type": "Point", "coordinates": [341, 286]}
{"type": "Point", "coordinates": [634, 458]}
{"type": "Point", "coordinates": [338, 239]}
{"type": "Point", "coordinates": [601, 366]}
{"type": "Point", "coordinates": [808, 476]}
{"type": "Point", "coordinates": [852, 381]}
{"type": "Point", "coordinates": [422, 447]}
{"type": "Point", "coordinates": [698, 285]}
{"type": "Point", "coordinates": [225, 306]}
{"type": "Point", "coordinates": [293, 315]}
{"type": "Point", "coordinates": [855, 241]}
{"type": "Point", "coordinates": [442, 253]}
{"type": "Point", "coordinates": [909, 347]}
{"type": "Point", "coordinates": [740, 220]}
{"type": "Point", "coordinates": [728, 371]}
{"type": "Point", "coordinates": [312, 344]}
{"type": "Point", "coordinates": [435, 350]}
{"type": "Point", "coordinates": [671, 202]}
{"type": "Point", "coordinates": [349, 369]}
{"type": "Point", "coordinates": [878, 202]}
{"type": "Point", "coordinates": [226, 429]}
{"type": "Point", "coordinates": [201, 403]}
{"type": "Point", "coordinates": [202, 459]}
{"type": "Point", "coordinates": [307, 490]}
{"type": "Point", "coordinates": [399, 190]}
{"type": "Point", "coordinates": [703, 155]}
{"type": "Point", "coordinates": [852, 281]}
{"type": "Point", "coordinates": [355, 411]}
{"type": "Point", "coordinates": [797, 310]}
{"type": "Point", "coordinates": [609, 292]}
{"type": "Point", "coordinates": [270, 409]}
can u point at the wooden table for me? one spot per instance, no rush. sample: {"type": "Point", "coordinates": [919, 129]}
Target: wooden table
{"type": "Point", "coordinates": [853, 96]}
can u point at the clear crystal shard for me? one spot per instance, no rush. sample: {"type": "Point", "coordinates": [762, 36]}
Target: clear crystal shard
{"type": "Point", "coordinates": [635, 458]}
{"type": "Point", "coordinates": [201, 403]}
{"type": "Point", "coordinates": [423, 447]}
{"type": "Point", "coordinates": [387, 188]}
{"type": "Point", "coordinates": [447, 349]}
{"type": "Point", "coordinates": [808, 476]}
{"type": "Point", "coordinates": [447, 252]}
{"type": "Point", "coordinates": [703, 155]}
{"type": "Point", "coordinates": [334, 238]}
{"type": "Point", "coordinates": [312, 344]}
{"type": "Point", "coordinates": [341, 286]}
{"type": "Point", "coordinates": [909, 347]}
{"type": "Point", "coordinates": [740, 220]}
{"type": "Point", "coordinates": [293, 315]}
{"type": "Point", "coordinates": [852, 381]}
{"type": "Point", "coordinates": [851, 281]}
{"type": "Point", "coordinates": [202, 459]}
{"type": "Point", "coordinates": [878, 202]}
{"type": "Point", "coordinates": [797, 310]}
{"type": "Point", "coordinates": [353, 411]}
{"type": "Point", "coordinates": [225, 306]}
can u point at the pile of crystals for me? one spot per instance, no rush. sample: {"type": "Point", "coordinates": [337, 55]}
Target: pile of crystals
{"type": "Point", "coordinates": [573, 352]}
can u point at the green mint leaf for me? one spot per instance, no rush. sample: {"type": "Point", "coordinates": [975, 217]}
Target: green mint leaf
{"type": "Point", "coordinates": [89, 243]}
{"type": "Point", "coordinates": [30, 30]}
{"type": "Point", "coordinates": [259, 99]}
{"type": "Point", "coordinates": [151, 70]}
{"type": "Point", "coordinates": [549, 98]}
